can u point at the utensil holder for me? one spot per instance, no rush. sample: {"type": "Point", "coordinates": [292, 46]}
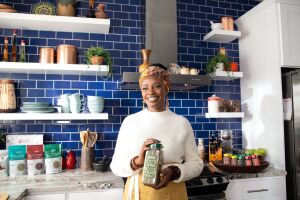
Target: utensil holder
{"type": "Point", "coordinates": [87, 158]}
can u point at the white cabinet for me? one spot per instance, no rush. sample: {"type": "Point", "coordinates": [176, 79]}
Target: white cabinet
{"type": "Point", "coordinates": [256, 188]}
{"type": "Point", "coordinates": [290, 30]}
{"type": "Point", "coordinates": [111, 194]}
{"type": "Point", "coordinates": [46, 197]}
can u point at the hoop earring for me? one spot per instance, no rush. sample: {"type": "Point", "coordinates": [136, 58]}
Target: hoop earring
{"type": "Point", "coordinates": [167, 102]}
{"type": "Point", "coordinates": [143, 103]}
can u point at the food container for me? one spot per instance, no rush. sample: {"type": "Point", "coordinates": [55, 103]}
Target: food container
{"type": "Point", "coordinates": [7, 96]}
{"type": "Point", "coordinates": [46, 55]}
{"type": "Point", "coordinates": [248, 160]}
{"type": "Point", "coordinates": [226, 159]}
{"type": "Point", "coordinates": [241, 160]}
{"type": "Point", "coordinates": [213, 104]}
{"type": "Point", "coordinates": [234, 160]}
{"type": "Point", "coordinates": [66, 54]}
{"type": "Point", "coordinates": [227, 23]}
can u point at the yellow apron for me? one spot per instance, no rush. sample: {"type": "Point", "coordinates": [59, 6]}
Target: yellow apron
{"type": "Point", "coordinates": [173, 191]}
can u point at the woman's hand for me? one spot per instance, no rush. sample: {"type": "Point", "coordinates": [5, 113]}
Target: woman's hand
{"type": "Point", "coordinates": [165, 177]}
{"type": "Point", "coordinates": [141, 158]}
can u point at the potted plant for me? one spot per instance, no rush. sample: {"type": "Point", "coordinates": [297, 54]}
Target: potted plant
{"type": "Point", "coordinates": [218, 62]}
{"type": "Point", "coordinates": [98, 55]}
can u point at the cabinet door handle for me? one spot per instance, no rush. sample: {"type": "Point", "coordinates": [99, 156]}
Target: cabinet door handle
{"type": "Point", "coordinates": [261, 190]}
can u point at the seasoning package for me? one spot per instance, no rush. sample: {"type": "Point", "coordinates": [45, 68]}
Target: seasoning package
{"type": "Point", "coordinates": [17, 160]}
{"type": "Point", "coordinates": [3, 163]}
{"type": "Point", "coordinates": [52, 158]}
{"type": "Point", "coordinates": [35, 159]}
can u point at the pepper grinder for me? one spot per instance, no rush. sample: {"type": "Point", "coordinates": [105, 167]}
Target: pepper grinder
{"type": "Point", "coordinates": [91, 13]}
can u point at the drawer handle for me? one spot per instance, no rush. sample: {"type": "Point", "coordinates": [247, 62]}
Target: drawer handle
{"type": "Point", "coordinates": [261, 190]}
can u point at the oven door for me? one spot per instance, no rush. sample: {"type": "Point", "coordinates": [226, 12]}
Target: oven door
{"type": "Point", "coordinates": [218, 196]}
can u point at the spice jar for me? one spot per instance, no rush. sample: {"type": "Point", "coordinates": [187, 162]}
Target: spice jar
{"type": "Point", "coordinates": [234, 160]}
{"type": "Point", "coordinates": [255, 160]}
{"type": "Point", "coordinates": [248, 160]}
{"type": "Point", "coordinates": [226, 159]}
{"type": "Point", "coordinates": [241, 160]}
{"type": "Point", "coordinates": [213, 104]}
{"type": "Point", "coordinates": [152, 165]}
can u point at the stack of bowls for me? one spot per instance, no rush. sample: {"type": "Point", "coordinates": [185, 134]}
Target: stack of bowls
{"type": "Point", "coordinates": [95, 104]}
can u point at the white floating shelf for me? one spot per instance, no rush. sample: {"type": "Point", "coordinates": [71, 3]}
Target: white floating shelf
{"type": "Point", "coordinates": [38, 68]}
{"type": "Point", "coordinates": [226, 75]}
{"type": "Point", "coordinates": [53, 23]}
{"type": "Point", "coordinates": [223, 36]}
{"type": "Point", "coordinates": [225, 115]}
{"type": "Point", "coordinates": [54, 116]}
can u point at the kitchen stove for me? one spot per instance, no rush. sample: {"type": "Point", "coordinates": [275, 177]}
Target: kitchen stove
{"type": "Point", "coordinates": [207, 186]}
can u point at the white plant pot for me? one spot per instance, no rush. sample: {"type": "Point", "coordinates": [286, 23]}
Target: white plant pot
{"type": "Point", "coordinates": [220, 67]}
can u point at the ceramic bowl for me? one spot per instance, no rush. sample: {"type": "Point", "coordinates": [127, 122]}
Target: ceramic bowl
{"type": "Point", "coordinates": [217, 26]}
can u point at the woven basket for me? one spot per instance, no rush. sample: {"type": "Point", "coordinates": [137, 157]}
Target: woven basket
{"type": "Point", "coordinates": [241, 169]}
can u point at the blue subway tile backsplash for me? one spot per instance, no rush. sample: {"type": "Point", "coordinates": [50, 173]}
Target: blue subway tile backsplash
{"type": "Point", "coordinates": [124, 41]}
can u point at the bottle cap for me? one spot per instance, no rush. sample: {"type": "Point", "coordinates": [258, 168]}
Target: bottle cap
{"type": "Point", "coordinates": [156, 146]}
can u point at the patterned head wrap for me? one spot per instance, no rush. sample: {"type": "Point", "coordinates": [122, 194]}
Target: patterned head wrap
{"type": "Point", "coordinates": [159, 72]}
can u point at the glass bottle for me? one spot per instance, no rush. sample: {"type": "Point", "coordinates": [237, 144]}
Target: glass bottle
{"type": "Point", "coordinates": [14, 47]}
{"type": "Point", "coordinates": [5, 51]}
{"type": "Point", "coordinates": [201, 148]}
{"type": "Point", "coordinates": [22, 57]}
{"type": "Point", "coordinates": [152, 165]}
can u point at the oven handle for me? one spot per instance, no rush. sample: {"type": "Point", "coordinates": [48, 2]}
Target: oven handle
{"type": "Point", "coordinates": [261, 190]}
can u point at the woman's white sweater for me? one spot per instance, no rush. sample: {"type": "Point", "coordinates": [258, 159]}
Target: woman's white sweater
{"type": "Point", "coordinates": [174, 132]}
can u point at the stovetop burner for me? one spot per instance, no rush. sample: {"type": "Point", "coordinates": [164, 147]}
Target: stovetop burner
{"type": "Point", "coordinates": [207, 183]}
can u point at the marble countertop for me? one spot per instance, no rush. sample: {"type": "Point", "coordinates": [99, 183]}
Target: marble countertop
{"type": "Point", "coordinates": [268, 172]}
{"type": "Point", "coordinates": [71, 180]}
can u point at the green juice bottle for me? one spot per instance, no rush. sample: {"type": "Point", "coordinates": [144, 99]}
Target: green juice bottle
{"type": "Point", "coordinates": [152, 165]}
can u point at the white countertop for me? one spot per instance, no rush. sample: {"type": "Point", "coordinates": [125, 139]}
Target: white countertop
{"type": "Point", "coordinates": [68, 181]}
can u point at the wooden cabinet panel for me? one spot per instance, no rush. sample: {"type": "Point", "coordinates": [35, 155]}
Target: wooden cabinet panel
{"type": "Point", "coordinates": [112, 194]}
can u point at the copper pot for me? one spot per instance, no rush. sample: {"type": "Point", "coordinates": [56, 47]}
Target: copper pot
{"type": "Point", "coordinates": [66, 54]}
{"type": "Point", "coordinates": [46, 55]}
{"type": "Point", "coordinates": [227, 23]}
{"type": "Point", "coordinates": [7, 96]}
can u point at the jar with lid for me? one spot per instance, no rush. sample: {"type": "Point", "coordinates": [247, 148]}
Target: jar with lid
{"type": "Point", "coordinates": [152, 164]}
{"type": "Point", "coordinates": [255, 160]}
{"type": "Point", "coordinates": [227, 159]}
{"type": "Point", "coordinates": [234, 160]}
{"type": "Point", "coordinates": [7, 96]}
{"type": "Point", "coordinates": [213, 104]}
{"type": "Point", "coordinates": [248, 160]}
{"type": "Point", "coordinates": [241, 160]}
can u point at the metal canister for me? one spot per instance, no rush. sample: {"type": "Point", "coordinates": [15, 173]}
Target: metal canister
{"type": "Point", "coordinates": [227, 23]}
{"type": "Point", "coordinates": [66, 54]}
{"type": "Point", "coordinates": [7, 96]}
{"type": "Point", "coordinates": [46, 55]}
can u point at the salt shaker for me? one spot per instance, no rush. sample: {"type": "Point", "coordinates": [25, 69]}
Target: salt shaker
{"type": "Point", "coordinates": [152, 164]}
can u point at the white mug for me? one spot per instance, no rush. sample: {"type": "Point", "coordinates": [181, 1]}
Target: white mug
{"type": "Point", "coordinates": [65, 103]}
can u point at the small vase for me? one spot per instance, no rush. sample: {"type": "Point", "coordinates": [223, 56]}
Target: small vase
{"type": "Point", "coordinates": [97, 60]}
{"type": "Point", "coordinates": [146, 55]}
{"type": "Point", "coordinates": [66, 7]}
{"type": "Point", "coordinates": [101, 12]}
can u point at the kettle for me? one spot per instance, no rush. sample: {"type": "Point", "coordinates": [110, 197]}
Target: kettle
{"type": "Point", "coordinates": [7, 96]}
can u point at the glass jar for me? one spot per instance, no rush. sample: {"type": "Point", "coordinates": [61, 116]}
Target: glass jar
{"type": "Point", "coordinates": [248, 160]}
{"type": "Point", "coordinates": [227, 159]}
{"type": "Point", "coordinates": [234, 160]}
{"type": "Point", "coordinates": [241, 160]}
{"type": "Point", "coordinates": [255, 160]}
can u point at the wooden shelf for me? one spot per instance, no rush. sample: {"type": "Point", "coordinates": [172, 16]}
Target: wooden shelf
{"type": "Point", "coordinates": [223, 36]}
{"type": "Point", "coordinates": [225, 115]}
{"type": "Point", "coordinates": [54, 23]}
{"type": "Point", "coordinates": [53, 116]}
{"type": "Point", "coordinates": [226, 75]}
{"type": "Point", "coordinates": [38, 68]}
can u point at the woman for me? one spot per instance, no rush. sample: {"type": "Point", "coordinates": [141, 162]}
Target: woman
{"type": "Point", "coordinates": [180, 159]}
